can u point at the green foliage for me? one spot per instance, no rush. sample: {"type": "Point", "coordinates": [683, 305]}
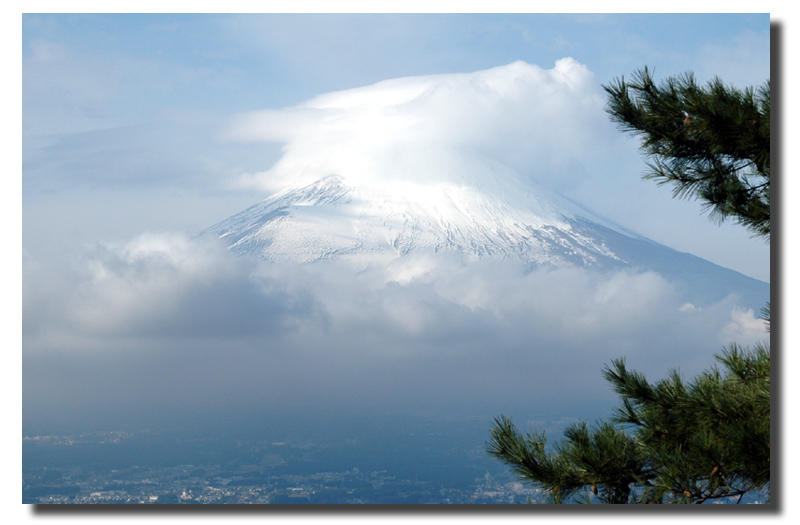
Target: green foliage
{"type": "Point", "coordinates": [603, 458]}
{"type": "Point", "coordinates": [710, 437]}
{"type": "Point", "coordinates": [669, 442]}
{"type": "Point", "coordinates": [710, 142]}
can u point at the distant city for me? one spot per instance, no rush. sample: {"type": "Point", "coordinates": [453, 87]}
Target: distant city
{"type": "Point", "coordinates": [276, 473]}
{"type": "Point", "coordinates": [427, 463]}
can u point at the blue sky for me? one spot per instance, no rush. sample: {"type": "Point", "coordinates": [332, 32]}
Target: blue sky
{"type": "Point", "coordinates": [125, 112]}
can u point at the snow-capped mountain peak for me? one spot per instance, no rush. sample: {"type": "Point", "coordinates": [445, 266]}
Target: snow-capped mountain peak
{"type": "Point", "coordinates": [495, 216]}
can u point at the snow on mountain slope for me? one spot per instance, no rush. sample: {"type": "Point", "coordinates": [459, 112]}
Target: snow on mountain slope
{"type": "Point", "coordinates": [332, 219]}
{"type": "Point", "coordinates": [375, 225]}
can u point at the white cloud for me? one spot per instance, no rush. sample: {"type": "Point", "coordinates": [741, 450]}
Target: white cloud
{"type": "Point", "coordinates": [547, 124]}
{"type": "Point", "coordinates": [156, 286]}
{"type": "Point", "coordinates": [744, 328]}
{"type": "Point", "coordinates": [166, 317]}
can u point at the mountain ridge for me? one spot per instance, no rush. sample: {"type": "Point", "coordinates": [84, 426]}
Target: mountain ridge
{"type": "Point", "coordinates": [330, 218]}
{"type": "Point", "coordinates": [372, 225]}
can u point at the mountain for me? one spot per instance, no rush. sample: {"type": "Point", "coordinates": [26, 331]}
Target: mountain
{"type": "Point", "coordinates": [330, 219]}
{"type": "Point", "coordinates": [489, 212]}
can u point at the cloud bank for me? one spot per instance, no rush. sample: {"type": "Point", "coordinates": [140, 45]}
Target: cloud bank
{"type": "Point", "coordinates": [165, 323]}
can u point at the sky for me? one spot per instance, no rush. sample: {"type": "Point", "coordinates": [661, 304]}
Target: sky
{"type": "Point", "coordinates": [138, 131]}
{"type": "Point", "coordinates": [125, 116]}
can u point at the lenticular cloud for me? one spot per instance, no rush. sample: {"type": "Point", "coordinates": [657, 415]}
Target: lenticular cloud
{"type": "Point", "coordinates": [542, 123]}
